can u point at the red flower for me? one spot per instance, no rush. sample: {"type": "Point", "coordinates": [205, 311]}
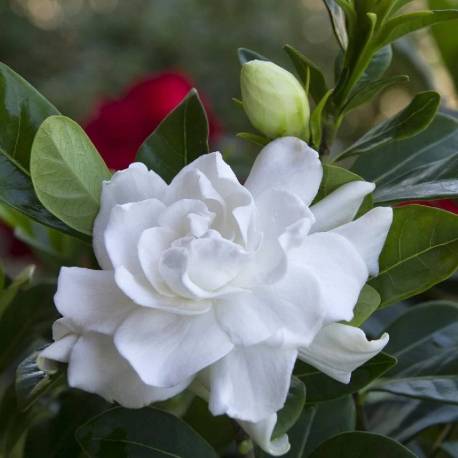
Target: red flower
{"type": "Point", "coordinates": [119, 127]}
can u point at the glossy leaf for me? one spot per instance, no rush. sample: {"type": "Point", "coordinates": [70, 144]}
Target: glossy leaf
{"type": "Point", "coordinates": [142, 433]}
{"type": "Point", "coordinates": [67, 172]}
{"type": "Point", "coordinates": [378, 65]}
{"type": "Point", "coordinates": [421, 167]}
{"type": "Point", "coordinates": [358, 443]}
{"type": "Point", "coordinates": [409, 122]}
{"type": "Point", "coordinates": [256, 139]}
{"type": "Point", "coordinates": [370, 90]}
{"type": "Point", "coordinates": [179, 139]}
{"type": "Point", "coordinates": [22, 110]}
{"type": "Point", "coordinates": [245, 55]}
{"type": "Point", "coordinates": [421, 250]}
{"type": "Point", "coordinates": [368, 302]}
{"type": "Point", "coordinates": [311, 76]}
{"type": "Point", "coordinates": [292, 409]}
{"type": "Point", "coordinates": [399, 26]}
{"type": "Point", "coordinates": [316, 120]}
{"type": "Point", "coordinates": [427, 354]}
{"type": "Point", "coordinates": [16, 191]}
{"type": "Point", "coordinates": [32, 382]}
{"type": "Point", "coordinates": [337, 17]}
{"type": "Point", "coordinates": [320, 387]}
{"type": "Point", "coordinates": [331, 418]}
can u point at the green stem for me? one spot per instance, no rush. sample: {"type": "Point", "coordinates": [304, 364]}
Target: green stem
{"type": "Point", "coordinates": [361, 419]}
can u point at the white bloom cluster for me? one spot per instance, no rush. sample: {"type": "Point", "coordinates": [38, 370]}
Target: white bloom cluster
{"type": "Point", "coordinates": [218, 287]}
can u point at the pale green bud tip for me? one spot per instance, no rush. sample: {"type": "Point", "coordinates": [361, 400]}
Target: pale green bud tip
{"type": "Point", "coordinates": [274, 100]}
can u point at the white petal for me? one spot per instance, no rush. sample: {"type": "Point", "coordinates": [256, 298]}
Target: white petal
{"type": "Point", "coordinates": [368, 234]}
{"type": "Point", "coordinates": [339, 349]}
{"type": "Point", "coordinates": [126, 224]}
{"type": "Point", "coordinates": [131, 185]}
{"type": "Point", "coordinates": [142, 293]}
{"type": "Point", "coordinates": [91, 299]}
{"type": "Point", "coordinates": [338, 267]}
{"type": "Point", "coordinates": [251, 383]}
{"type": "Point", "coordinates": [58, 351]}
{"type": "Point", "coordinates": [165, 349]}
{"type": "Point", "coordinates": [246, 318]}
{"type": "Point", "coordinates": [97, 367]}
{"type": "Point", "coordinates": [286, 163]}
{"type": "Point", "coordinates": [340, 206]}
{"type": "Point", "coordinates": [261, 433]}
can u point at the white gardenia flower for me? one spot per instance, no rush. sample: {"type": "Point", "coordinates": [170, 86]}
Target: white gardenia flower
{"type": "Point", "coordinates": [219, 287]}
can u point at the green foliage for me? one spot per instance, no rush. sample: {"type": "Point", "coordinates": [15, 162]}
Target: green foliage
{"type": "Point", "coordinates": [421, 250]}
{"type": "Point", "coordinates": [316, 121]}
{"type": "Point", "coordinates": [180, 138]}
{"type": "Point", "coordinates": [368, 302]}
{"type": "Point", "coordinates": [421, 167]}
{"type": "Point", "coordinates": [320, 387]}
{"type": "Point", "coordinates": [67, 172]}
{"type": "Point", "coordinates": [140, 433]}
{"type": "Point", "coordinates": [427, 354]}
{"type": "Point", "coordinates": [292, 409]}
{"type": "Point", "coordinates": [413, 119]}
{"type": "Point", "coordinates": [349, 445]}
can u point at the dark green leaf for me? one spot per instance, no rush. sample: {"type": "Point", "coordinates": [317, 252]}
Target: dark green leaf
{"type": "Point", "coordinates": [427, 354]}
{"type": "Point", "coordinates": [16, 190]}
{"type": "Point", "coordinates": [331, 418]}
{"type": "Point", "coordinates": [316, 121]}
{"type": "Point", "coordinates": [33, 382]}
{"type": "Point", "coordinates": [292, 409]}
{"type": "Point", "coordinates": [355, 444]}
{"type": "Point", "coordinates": [22, 110]}
{"type": "Point", "coordinates": [378, 65]}
{"type": "Point", "coordinates": [368, 302]}
{"type": "Point", "coordinates": [179, 139]}
{"type": "Point", "coordinates": [370, 90]}
{"type": "Point", "coordinates": [141, 433]}
{"type": "Point", "coordinates": [27, 319]}
{"type": "Point", "coordinates": [421, 250]}
{"type": "Point", "coordinates": [399, 26]}
{"type": "Point", "coordinates": [67, 172]}
{"type": "Point", "coordinates": [320, 387]}
{"type": "Point", "coordinates": [422, 167]}
{"type": "Point", "coordinates": [412, 120]}
{"type": "Point", "coordinates": [317, 84]}
{"type": "Point", "coordinates": [337, 17]}
{"type": "Point", "coordinates": [245, 55]}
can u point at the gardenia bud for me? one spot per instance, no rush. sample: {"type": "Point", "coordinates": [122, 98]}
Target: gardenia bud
{"type": "Point", "coordinates": [274, 100]}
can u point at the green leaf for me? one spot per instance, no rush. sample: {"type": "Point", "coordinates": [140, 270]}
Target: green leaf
{"type": "Point", "coordinates": [292, 409]}
{"type": "Point", "coordinates": [337, 16]}
{"type": "Point", "coordinates": [358, 443]}
{"type": "Point", "coordinates": [316, 120]}
{"type": "Point", "coordinates": [179, 139]}
{"type": "Point", "coordinates": [16, 191]}
{"type": "Point", "coordinates": [256, 139]}
{"type": "Point", "coordinates": [320, 387]}
{"type": "Point", "coordinates": [140, 433]}
{"type": "Point", "coordinates": [8, 294]}
{"type": "Point", "coordinates": [245, 55]}
{"type": "Point", "coordinates": [370, 90]}
{"type": "Point", "coordinates": [422, 167]}
{"type": "Point", "coordinates": [67, 172]}
{"type": "Point", "coordinates": [331, 418]}
{"type": "Point", "coordinates": [22, 110]}
{"type": "Point", "coordinates": [421, 250]}
{"type": "Point", "coordinates": [33, 382]}
{"type": "Point", "coordinates": [368, 302]}
{"type": "Point", "coordinates": [412, 120]}
{"type": "Point", "coordinates": [399, 26]}
{"type": "Point", "coordinates": [378, 65]}
{"type": "Point", "coordinates": [311, 76]}
{"type": "Point", "coordinates": [27, 319]}
{"type": "Point", "coordinates": [427, 354]}
{"type": "Point", "coordinates": [333, 178]}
